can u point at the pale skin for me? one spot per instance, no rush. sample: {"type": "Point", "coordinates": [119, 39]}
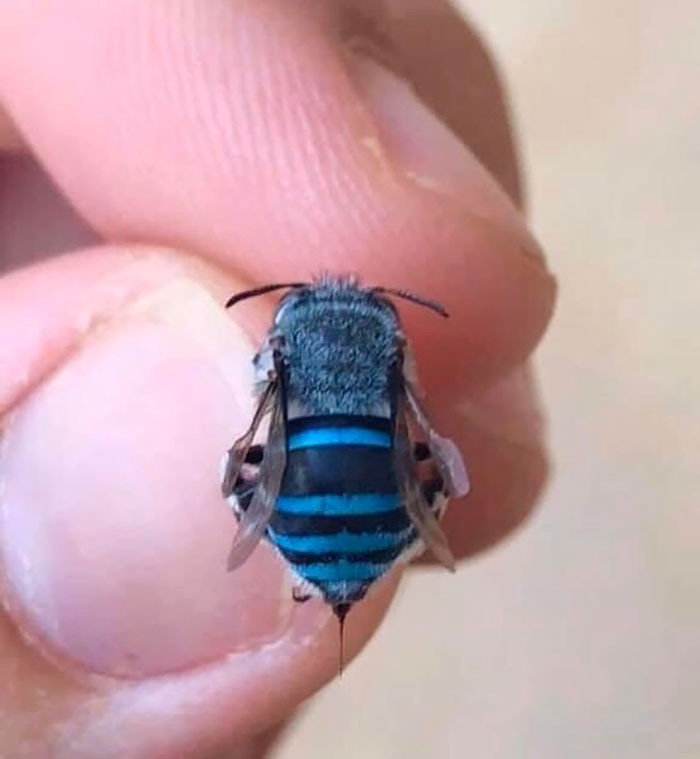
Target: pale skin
{"type": "Point", "coordinates": [207, 148]}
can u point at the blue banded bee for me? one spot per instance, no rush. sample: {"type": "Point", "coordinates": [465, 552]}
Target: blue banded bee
{"type": "Point", "coordinates": [337, 488]}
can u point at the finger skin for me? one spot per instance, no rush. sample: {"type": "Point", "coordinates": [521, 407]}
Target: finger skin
{"type": "Point", "coordinates": [240, 131]}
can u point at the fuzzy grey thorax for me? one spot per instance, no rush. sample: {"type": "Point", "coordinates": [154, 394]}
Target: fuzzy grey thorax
{"type": "Point", "coordinates": [340, 342]}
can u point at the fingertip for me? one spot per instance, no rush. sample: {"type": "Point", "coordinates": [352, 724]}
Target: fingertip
{"type": "Point", "coordinates": [348, 170]}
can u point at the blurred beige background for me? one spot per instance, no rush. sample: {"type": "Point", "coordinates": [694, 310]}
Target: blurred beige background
{"type": "Point", "coordinates": [580, 636]}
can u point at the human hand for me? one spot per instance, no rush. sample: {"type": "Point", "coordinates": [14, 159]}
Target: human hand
{"type": "Point", "coordinates": [219, 145]}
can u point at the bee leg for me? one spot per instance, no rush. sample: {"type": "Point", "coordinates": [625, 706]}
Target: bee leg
{"type": "Point", "coordinates": [421, 452]}
{"type": "Point", "coordinates": [433, 488]}
{"type": "Point", "coordinates": [244, 486]}
{"type": "Point", "coordinates": [255, 454]}
{"type": "Point", "coordinates": [247, 480]}
{"type": "Point", "coordinates": [242, 494]}
{"type": "Point", "coordinates": [299, 596]}
{"type": "Point", "coordinates": [253, 458]}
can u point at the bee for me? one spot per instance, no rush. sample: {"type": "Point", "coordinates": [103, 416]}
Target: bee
{"type": "Point", "coordinates": [351, 479]}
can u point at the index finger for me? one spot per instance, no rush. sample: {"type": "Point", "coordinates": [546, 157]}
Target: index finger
{"type": "Point", "coordinates": [253, 134]}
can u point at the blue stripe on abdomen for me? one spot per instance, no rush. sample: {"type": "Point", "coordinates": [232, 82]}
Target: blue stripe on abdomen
{"type": "Point", "coordinates": [340, 542]}
{"type": "Point", "coordinates": [348, 504]}
{"type": "Point", "coordinates": [323, 436]}
{"type": "Point", "coordinates": [342, 571]}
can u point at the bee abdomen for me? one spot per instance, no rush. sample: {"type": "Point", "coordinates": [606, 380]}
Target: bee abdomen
{"type": "Point", "coordinates": [341, 543]}
{"type": "Point", "coordinates": [339, 521]}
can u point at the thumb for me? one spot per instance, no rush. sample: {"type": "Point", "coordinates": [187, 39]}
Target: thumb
{"type": "Point", "coordinates": [120, 392]}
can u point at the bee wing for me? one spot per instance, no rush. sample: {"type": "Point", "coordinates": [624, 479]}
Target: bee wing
{"type": "Point", "coordinates": [445, 452]}
{"type": "Point", "coordinates": [239, 450]}
{"type": "Point", "coordinates": [414, 501]}
{"type": "Point", "coordinates": [255, 518]}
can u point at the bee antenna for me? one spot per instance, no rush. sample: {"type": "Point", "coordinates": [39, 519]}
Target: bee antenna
{"type": "Point", "coordinates": [405, 295]}
{"type": "Point", "coordinates": [340, 611]}
{"type": "Point", "coordinates": [238, 297]}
